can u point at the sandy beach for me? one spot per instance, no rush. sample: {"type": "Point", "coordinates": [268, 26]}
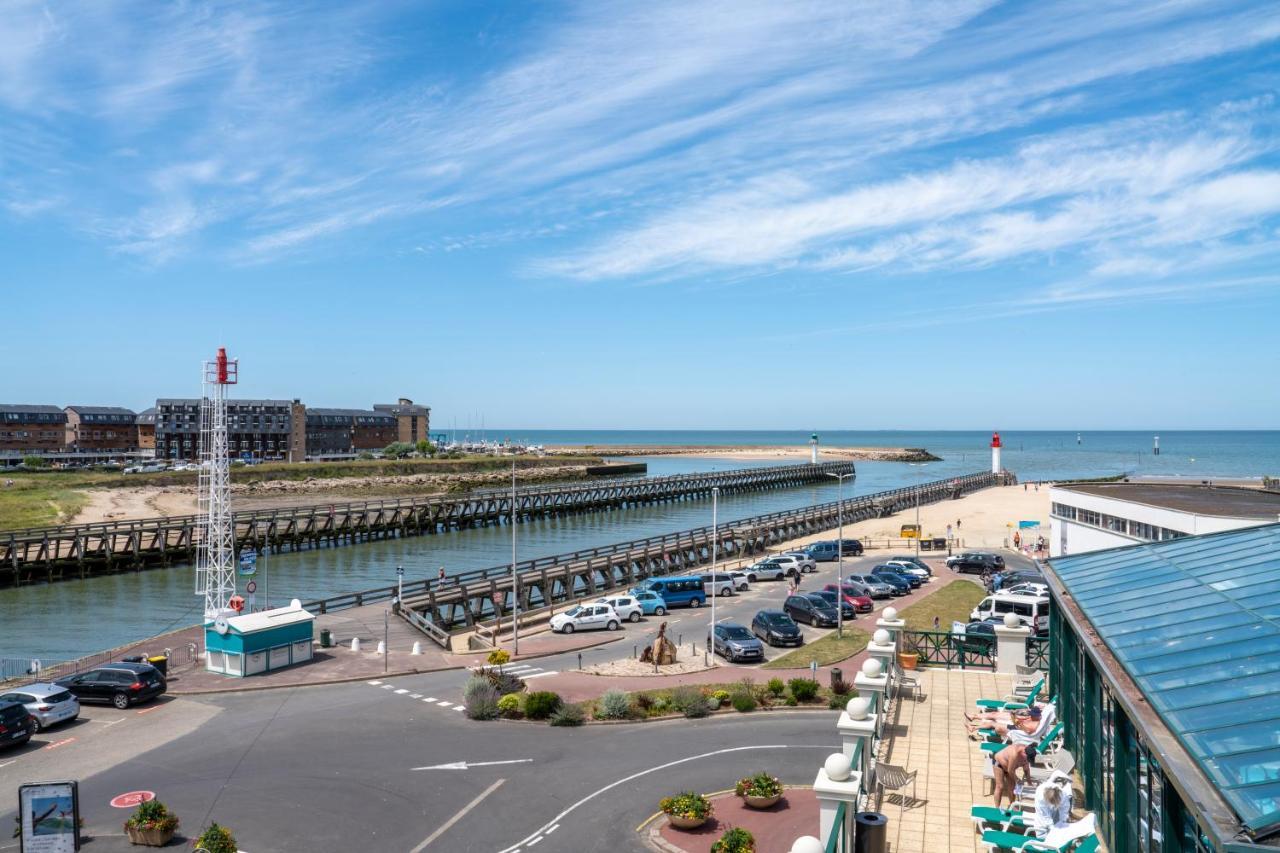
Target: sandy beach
{"type": "Point", "coordinates": [800, 453]}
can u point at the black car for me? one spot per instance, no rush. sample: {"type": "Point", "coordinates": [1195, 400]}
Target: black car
{"type": "Point", "coordinates": [120, 684]}
{"type": "Point", "coordinates": [979, 638]}
{"type": "Point", "coordinates": [776, 628]}
{"type": "Point", "coordinates": [901, 586]}
{"type": "Point", "coordinates": [975, 563]}
{"type": "Point", "coordinates": [734, 643]}
{"type": "Point", "coordinates": [847, 611]}
{"type": "Point", "coordinates": [852, 548]}
{"type": "Point", "coordinates": [15, 724]}
{"type": "Point", "coordinates": [810, 607]}
{"type": "Point", "coordinates": [886, 569]}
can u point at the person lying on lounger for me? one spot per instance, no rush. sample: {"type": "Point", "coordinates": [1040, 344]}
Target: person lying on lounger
{"type": "Point", "coordinates": [1027, 720]}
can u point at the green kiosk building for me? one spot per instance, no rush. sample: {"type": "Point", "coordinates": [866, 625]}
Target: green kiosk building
{"type": "Point", "coordinates": [254, 643]}
{"type": "Point", "coordinates": [1166, 661]}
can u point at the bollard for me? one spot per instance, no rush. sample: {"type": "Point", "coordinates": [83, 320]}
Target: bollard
{"type": "Point", "coordinates": [705, 662]}
{"type": "Point", "coordinates": [579, 660]}
{"type": "Point", "coordinates": [382, 647]}
{"type": "Point", "coordinates": [680, 639]}
{"type": "Point", "coordinates": [355, 644]}
{"type": "Point", "coordinates": [813, 670]}
{"type": "Point", "coordinates": [417, 649]}
{"type": "Point", "coordinates": [635, 652]}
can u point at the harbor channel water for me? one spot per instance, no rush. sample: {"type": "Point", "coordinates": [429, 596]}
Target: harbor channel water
{"type": "Point", "coordinates": [66, 620]}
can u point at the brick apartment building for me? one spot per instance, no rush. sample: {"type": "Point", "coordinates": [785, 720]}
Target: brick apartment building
{"type": "Point", "coordinates": [332, 432]}
{"type": "Point", "coordinates": [94, 429]}
{"type": "Point", "coordinates": [262, 429]}
{"type": "Point", "coordinates": [32, 428]}
{"type": "Point", "coordinates": [413, 421]}
{"type": "Point", "coordinates": [146, 423]}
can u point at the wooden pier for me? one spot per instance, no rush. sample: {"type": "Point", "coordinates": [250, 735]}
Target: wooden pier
{"type": "Point", "coordinates": [470, 598]}
{"type": "Point", "coordinates": [77, 551]}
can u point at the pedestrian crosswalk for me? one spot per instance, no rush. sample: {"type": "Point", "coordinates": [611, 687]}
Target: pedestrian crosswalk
{"type": "Point", "coordinates": [522, 670]}
{"type": "Point", "coordinates": [427, 700]}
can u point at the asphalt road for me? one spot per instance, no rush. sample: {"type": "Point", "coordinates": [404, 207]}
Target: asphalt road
{"type": "Point", "coordinates": [334, 768]}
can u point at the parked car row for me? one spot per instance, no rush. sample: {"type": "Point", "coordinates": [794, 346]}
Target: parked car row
{"type": "Point", "coordinates": [976, 562]}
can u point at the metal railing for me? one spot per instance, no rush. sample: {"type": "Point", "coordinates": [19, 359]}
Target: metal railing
{"type": "Point", "coordinates": [835, 842]}
{"type": "Point", "coordinates": [940, 648]}
{"type": "Point", "coordinates": [1038, 652]}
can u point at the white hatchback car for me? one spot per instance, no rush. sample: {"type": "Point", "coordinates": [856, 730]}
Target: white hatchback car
{"type": "Point", "coordinates": [803, 560]}
{"type": "Point", "coordinates": [626, 606]}
{"type": "Point", "coordinates": [741, 581]}
{"type": "Point", "coordinates": [586, 617]}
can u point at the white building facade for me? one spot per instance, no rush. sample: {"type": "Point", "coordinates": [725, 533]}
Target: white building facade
{"type": "Point", "coordinates": [1093, 516]}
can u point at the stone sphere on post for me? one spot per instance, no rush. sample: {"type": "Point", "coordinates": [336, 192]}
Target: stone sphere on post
{"type": "Point", "coordinates": [881, 637]}
{"type": "Point", "coordinates": [858, 708]}
{"type": "Point", "coordinates": [807, 844]}
{"type": "Point", "coordinates": [838, 767]}
{"type": "Point", "coordinates": [871, 668]}
{"type": "Point", "coordinates": [1011, 620]}
{"type": "Point", "coordinates": [890, 614]}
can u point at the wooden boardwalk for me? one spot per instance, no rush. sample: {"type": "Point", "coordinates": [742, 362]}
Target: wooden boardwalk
{"type": "Point", "coordinates": [77, 551]}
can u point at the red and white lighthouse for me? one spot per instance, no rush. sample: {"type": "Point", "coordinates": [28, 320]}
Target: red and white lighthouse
{"type": "Point", "coordinates": [995, 453]}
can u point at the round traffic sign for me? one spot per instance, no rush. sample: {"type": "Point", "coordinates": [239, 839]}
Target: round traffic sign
{"type": "Point", "coordinates": [132, 799]}
{"type": "Point", "coordinates": [251, 587]}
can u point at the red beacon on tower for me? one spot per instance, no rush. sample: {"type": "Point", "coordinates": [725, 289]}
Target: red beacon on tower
{"type": "Point", "coordinates": [226, 370]}
{"type": "Point", "coordinates": [995, 452]}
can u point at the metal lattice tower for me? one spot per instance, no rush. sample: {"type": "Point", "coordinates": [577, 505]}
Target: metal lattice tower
{"type": "Point", "coordinates": [215, 538]}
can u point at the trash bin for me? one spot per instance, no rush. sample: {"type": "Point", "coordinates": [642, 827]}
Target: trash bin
{"type": "Point", "coordinates": [326, 639]}
{"type": "Point", "coordinates": [870, 832]}
{"type": "Point", "coordinates": [161, 663]}
{"type": "Point", "coordinates": [134, 659]}
{"type": "Point", "coordinates": [837, 678]}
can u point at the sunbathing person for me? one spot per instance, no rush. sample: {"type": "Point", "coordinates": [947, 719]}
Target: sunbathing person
{"type": "Point", "coordinates": [1001, 722]}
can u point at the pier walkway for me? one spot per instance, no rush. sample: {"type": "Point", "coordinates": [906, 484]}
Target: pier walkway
{"type": "Point", "coordinates": [79, 551]}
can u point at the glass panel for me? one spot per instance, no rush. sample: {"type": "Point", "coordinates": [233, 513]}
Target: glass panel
{"type": "Point", "coordinates": [1247, 768]}
{"type": "Point", "coordinates": [1257, 804]}
{"type": "Point", "coordinates": [1173, 593]}
{"type": "Point", "coordinates": [1261, 735]}
{"type": "Point", "coordinates": [1183, 629]}
{"type": "Point", "coordinates": [1232, 668]}
{"type": "Point", "coordinates": [1214, 715]}
{"type": "Point", "coordinates": [1168, 656]}
{"type": "Point", "coordinates": [1239, 688]}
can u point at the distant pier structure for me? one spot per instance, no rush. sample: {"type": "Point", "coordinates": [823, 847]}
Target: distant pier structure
{"type": "Point", "coordinates": [995, 453]}
{"type": "Point", "coordinates": [1155, 449]}
{"type": "Point", "coordinates": [813, 449]}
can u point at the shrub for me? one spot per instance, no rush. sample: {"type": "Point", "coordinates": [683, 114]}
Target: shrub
{"type": "Point", "coordinates": [790, 702]}
{"type": "Point", "coordinates": [721, 696]}
{"type": "Point", "coordinates": [839, 701]}
{"type": "Point", "coordinates": [480, 699]}
{"type": "Point", "coordinates": [736, 840]}
{"type": "Point", "coordinates": [541, 704]}
{"type": "Point", "coordinates": [614, 705]}
{"type": "Point", "coordinates": [568, 715]}
{"type": "Point", "coordinates": [804, 689]}
{"type": "Point", "coordinates": [776, 686]}
{"type": "Point", "coordinates": [839, 685]}
{"type": "Point", "coordinates": [509, 705]}
{"type": "Point", "coordinates": [152, 815]}
{"type": "Point", "coordinates": [759, 785]}
{"type": "Point", "coordinates": [686, 804]}
{"type": "Point", "coordinates": [689, 701]}
{"type": "Point", "coordinates": [660, 704]}
{"type": "Point", "coordinates": [503, 682]}
{"type": "Point", "coordinates": [498, 657]}
{"type": "Point", "coordinates": [743, 702]}
{"type": "Point", "coordinates": [217, 839]}
{"type": "Point", "coordinates": [644, 702]}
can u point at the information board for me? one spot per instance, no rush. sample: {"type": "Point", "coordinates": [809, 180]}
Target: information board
{"type": "Point", "coordinates": [50, 815]}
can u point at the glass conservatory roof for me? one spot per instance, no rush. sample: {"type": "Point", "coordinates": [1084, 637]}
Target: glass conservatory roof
{"type": "Point", "coordinates": [1196, 623]}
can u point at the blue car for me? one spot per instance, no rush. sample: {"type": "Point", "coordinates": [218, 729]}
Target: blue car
{"type": "Point", "coordinates": [651, 604]}
{"type": "Point", "coordinates": [899, 571]}
{"type": "Point", "coordinates": [901, 586]}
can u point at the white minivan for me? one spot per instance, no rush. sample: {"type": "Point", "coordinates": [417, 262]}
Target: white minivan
{"type": "Point", "coordinates": [1032, 610]}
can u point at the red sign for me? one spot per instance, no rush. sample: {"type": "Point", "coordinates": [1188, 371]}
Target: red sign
{"type": "Point", "coordinates": [132, 799]}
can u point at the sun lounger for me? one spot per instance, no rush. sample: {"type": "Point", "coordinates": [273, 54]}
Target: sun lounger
{"type": "Point", "coordinates": [1019, 698]}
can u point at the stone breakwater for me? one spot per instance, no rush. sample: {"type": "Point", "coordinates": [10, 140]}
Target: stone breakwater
{"type": "Point", "coordinates": [750, 452]}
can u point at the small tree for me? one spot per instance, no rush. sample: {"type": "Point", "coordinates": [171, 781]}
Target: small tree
{"type": "Point", "coordinates": [425, 448]}
{"type": "Point", "coordinates": [34, 461]}
{"type": "Point", "coordinates": [397, 450]}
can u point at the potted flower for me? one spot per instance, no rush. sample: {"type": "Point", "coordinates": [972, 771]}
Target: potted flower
{"type": "Point", "coordinates": [908, 660]}
{"type": "Point", "coordinates": [217, 839]}
{"type": "Point", "coordinates": [736, 840]}
{"type": "Point", "coordinates": [151, 824]}
{"type": "Point", "coordinates": [759, 791]}
{"type": "Point", "coordinates": [686, 810]}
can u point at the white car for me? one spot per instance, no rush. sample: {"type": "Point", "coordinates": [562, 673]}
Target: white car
{"type": "Point", "coordinates": [910, 568]}
{"type": "Point", "coordinates": [586, 617]}
{"type": "Point", "coordinates": [791, 566]}
{"type": "Point", "coordinates": [766, 570]}
{"type": "Point", "coordinates": [626, 606]}
{"type": "Point", "coordinates": [740, 580]}
{"type": "Point", "coordinates": [1036, 589]}
{"type": "Point", "coordinates": [806, 563]}
{"type": "Point", "coordinates": [722, 584]}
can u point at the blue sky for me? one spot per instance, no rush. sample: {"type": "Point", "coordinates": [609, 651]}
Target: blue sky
{"type": "Point", "coordinates": [847, 215]}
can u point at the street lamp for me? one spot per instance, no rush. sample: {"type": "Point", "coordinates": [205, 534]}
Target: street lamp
{"type": "Point", "coordinates": [919, 477]}
{"type": "Point", "coordinates": [515, 576]}
{"type": "Point", "coordinates": [715, 548]}
{"type": "Point", "coordinates": [840, 551]}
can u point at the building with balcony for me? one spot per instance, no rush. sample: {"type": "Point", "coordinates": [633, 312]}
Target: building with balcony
{"type": "Point", "coordinates": [146, 424]}
{"type": "Point", "coordinates": [97, 429]}
{"type": "Point", "coordinates": [346, 432]}
{"type": "Point", "coordinates": [1093, 516]}
{"type": "Point", "coordinates": [32, 428]}
{"type": "Point", "coordinates": [257, 429]}
{"type": "Point", "coordinates": [413, 421]}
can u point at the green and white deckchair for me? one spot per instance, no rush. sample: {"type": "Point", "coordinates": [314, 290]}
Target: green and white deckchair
{"type": "Point", "coordinates": [1017, 699]}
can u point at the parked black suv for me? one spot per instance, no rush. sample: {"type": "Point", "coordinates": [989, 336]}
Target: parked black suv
{"type": "Point", "coordinates": [976, 563]}
{"type": "Point", "coordinates": [811, 608]}
{"type": "Point", "coordinates": [15, 724]}
{"type": "Point", "coordinates": [120, 684]}
{"type": "Point", "coordinates": [776, 628]}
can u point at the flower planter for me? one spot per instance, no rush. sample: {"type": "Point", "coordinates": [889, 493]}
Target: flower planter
{"type": "Point", "coordinates": [908, 660]}
{"type": "Point", "coordinates": [761, 802]}
{"type": "Point", "coordinates": [686, 822]}
{"type": "Point", "coordinates": [149, 837]}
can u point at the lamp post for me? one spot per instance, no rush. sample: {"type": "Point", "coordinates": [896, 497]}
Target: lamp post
{"type": "Point", "coordinates": [715, 548]}
{"type": "Point", "coordinates": [919, 476]}
{"type": "Point", "coordinates": [840, 551]}
{"type": "Point", "coordinates": [515, 576]}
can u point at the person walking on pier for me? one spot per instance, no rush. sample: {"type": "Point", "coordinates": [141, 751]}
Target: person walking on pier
{"type": "Point", "coordinates": [440, 577]}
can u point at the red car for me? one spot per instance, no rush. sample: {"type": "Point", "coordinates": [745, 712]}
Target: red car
{"type": "Point", "coordinates": [860, 603]}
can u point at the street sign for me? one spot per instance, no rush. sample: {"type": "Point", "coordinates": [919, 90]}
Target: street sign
{"type": "Point", "coordinates": [132, 799]}
{"type": "Point", "coordinates": [49, 817]}
{"type": "Point", "coordinates": [248, 561]}
{"type": "Point", "coordinates": [251, 587]}
{"type": "Point", "coordinates": [399, 571]}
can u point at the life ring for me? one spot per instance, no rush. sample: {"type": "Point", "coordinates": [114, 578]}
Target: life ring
{"type": "Point", "coordinates": [236, 603]}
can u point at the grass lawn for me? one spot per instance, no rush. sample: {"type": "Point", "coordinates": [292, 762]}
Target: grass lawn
{"type": "Point", "coordinates": [826, 650]}
{"type": "Point", "coordinates": [35, 504]}
{"type": "Point", "coordinates": [951, 603]}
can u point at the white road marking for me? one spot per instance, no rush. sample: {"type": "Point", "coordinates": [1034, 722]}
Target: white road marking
{"type": "Point", "coordinates": [401, 691]}
{"type": "Point", "coordinates": [464, 765]}
{"type": "Point", "coordinates": [429, 699]}
{"type": "Point", "coordinates": [459, 816]}
{"type": "Point", "coordinates": [540, 674]}
{"type": "Point", "coordinates": [553, 829]}
{"type": "Point", "coordinates": [444, 703]}
{"type": "Point", "coordinates": [375, 683]}
{"type": "Point", "coordinates": [388, 687]}
{"type": "Point", "coordinates": [459, 708]}
{"type": "Point", "coordinates": [7, 763]}
{"type": "Point", "coordinates": [415, 695]}
{"type": "Point", "coordinates": [555, 821]}
{"type": "Point", "coordinates": [534, 841]}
